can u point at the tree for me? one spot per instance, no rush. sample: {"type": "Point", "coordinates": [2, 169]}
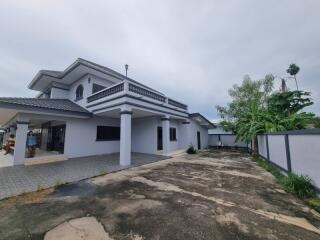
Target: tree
{"type": "Point", "coordinates": [248, 99]}
{"type": "Point", "coordinates": [256, 109]}
{"type": "Point", "coordinates": [293, 71]}
{"type": "Point", "coordinates": [284, 110]}
{"type": "Point", "coordinates": [315, 122]}
{"type": "Point", "coordinates": [242, 95]}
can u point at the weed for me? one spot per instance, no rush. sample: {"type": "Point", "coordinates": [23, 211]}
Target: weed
{"type": "Point", "coordinates": [299, 185]}
{"type": "Point", "coordinates": [314, 203]}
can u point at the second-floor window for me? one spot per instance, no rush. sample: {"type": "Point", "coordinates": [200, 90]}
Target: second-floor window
{"type": "Point", "coordinates": [79, 92]}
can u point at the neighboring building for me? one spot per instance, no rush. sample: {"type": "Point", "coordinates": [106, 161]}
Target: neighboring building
{"type": "Point", "coordinates": [89, 109]}
{"type": "Point", "coordinates": [218, 137]}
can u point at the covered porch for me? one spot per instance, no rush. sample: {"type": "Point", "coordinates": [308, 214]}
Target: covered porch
{"type": "Point", "coordinates": [146, 130]}
{"type": "Point", "coordinates": [34, 130]}
{"type": "Point", "coordinates": [47, 145]}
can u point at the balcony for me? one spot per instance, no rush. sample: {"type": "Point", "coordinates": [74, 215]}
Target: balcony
{"type": "Point", "coordinates": [134, 91]}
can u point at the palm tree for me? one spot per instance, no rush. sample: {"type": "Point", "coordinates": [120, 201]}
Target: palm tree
{"type": "Point", "coordinates": [293, 71]}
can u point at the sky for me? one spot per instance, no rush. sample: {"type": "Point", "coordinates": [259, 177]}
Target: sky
{"type": "Point", "coordinates": [193, 51]}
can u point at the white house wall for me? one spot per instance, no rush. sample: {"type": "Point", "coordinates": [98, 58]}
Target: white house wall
{"type": "Point", "coordinates": [80, 137]}
{"type": "Point", "coordinates": [59, 93]}
{"type": "Point", "coordinates": [87, 88]}
{"type": "Point", "coordinates": [194, 127]}
{"type": "Point", "coordinates": [144, 135]}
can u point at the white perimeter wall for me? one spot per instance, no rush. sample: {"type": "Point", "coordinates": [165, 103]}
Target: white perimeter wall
{"type": "Point", "coordinates": [277, 150]}
{"type": "Point", "coordinates": [228, 140]}
{"type": "Point", "coordinates": [80, 139]}
{"type": "Point", "coordinates": [262, 145]}
{"type": "Point", "coordinates": [304, 153]}
{"type": "Point", "coordinates": [305, 156]}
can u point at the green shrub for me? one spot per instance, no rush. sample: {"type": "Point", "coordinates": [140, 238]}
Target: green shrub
{"type": "Point", "coordinates": [299, 185]}
{"type": "Point", "coordinates": [191, 150]}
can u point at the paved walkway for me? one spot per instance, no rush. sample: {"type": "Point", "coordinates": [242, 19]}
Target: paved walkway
{"type": "Point", "coordinates": [20, 179]}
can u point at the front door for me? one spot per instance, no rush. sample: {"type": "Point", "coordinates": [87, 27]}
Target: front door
{"type": "Point", "coordinates": [159, 139]}
{"type": "Point", "coordinates": [56, 137]}
{"type": "Point", "coordinates": [199, 140]}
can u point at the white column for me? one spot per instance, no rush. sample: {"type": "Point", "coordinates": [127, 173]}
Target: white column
{"type": "Point", "coordinates": [165, 135]}
{"type": "Point", "coordinates": [125, 138]}
{"type": "Point", "coordinates": [20, 145]}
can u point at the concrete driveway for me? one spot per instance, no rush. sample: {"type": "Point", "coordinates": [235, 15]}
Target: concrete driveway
{"type": "Point", "coordinates": [221, 195]}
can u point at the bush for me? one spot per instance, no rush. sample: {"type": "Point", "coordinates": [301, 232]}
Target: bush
{"type": "Point", "coordinates": [299, 185]}
{"type": "Point", "coordinates": [191, 150]}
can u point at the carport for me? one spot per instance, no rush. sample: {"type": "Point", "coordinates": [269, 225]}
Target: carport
{"type": "Point", "coordinates": [15, 180]}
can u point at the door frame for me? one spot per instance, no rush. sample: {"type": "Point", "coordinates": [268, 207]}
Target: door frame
{"type": "Point", "coordinates": [159, 139]}
{"type": "Point", "coordinates": [199, 139]}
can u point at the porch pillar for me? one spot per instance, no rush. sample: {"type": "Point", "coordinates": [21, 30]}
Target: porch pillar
{"type": "Point", "coordinates": [166, 135]}
{"type": "Point", "coordinates": [125, 138]}
{"type": "Point", "coordinates": [20, 145]}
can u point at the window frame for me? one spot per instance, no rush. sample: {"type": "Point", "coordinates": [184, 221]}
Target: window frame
{"type": "Point", "coordinates": [115, 135]}
{"type": "Point", "coordinates": [95, 86]}
{"type": "Point", "coordinates": [173, 134]}
{"type": "Point", "coordinates": [79, 96]}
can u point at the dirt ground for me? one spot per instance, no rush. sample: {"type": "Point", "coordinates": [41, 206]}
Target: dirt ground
{"type": "Point", "coordinates": [210, 195]}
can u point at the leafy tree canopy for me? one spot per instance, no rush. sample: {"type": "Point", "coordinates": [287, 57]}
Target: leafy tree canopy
{"type": "Point", "coordinates": [256, 109]}
{"type": "Point", "coordinates": [293, 69]}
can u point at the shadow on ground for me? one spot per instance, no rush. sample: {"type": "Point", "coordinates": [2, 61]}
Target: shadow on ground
{"type": "Point", "coordinates": [210, 195]}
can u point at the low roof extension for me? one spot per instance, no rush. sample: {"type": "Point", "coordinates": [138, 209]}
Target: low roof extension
{"type": "Point", "coordinates": [46, 105]}
{"type": "Point", "coordinates": [201, 120]}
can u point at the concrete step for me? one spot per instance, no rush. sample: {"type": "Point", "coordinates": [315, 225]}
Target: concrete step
{"type": "Point", "coordinates": [45, 159]}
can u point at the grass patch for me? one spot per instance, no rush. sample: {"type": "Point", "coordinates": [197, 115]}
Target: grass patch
{"type": "Point", "coordinates": [299, 185]}
{"type": "Point", "coordinates": [314, 203]}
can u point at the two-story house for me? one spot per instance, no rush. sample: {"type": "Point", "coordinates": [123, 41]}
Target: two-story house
{"type": "Point", "coordinates": [89, 109]}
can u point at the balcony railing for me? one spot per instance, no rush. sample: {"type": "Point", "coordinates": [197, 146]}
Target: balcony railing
{"type": "Point", "coordinates": [128, 88]}
{"type": "Point", "coordinates": [106, 92]}
{"type": "Point", "coordinates": [177, 104]}
{"type": "Point", "coordinates": [145, 92]}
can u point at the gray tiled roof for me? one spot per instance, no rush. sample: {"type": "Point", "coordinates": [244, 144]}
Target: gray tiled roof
{"type": "Point", "coordinates": [45, 104]}
{"type": "Point", "coordinates": [192, 115]}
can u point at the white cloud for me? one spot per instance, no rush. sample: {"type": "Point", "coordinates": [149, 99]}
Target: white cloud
{"type": "Point", "coordinates": [192, 50]}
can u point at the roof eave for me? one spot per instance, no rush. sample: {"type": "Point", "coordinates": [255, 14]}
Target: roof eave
{"type": "Point", "coordinates": [37, 109]}
{"type": "Point", "coordinates": [191, 115]}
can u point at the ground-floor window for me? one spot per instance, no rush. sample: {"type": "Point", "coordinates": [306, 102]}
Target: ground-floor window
{"type": "Point", "coordinates": [173, 134]}
{"type": "Point", "coordinates": [108, 133]}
